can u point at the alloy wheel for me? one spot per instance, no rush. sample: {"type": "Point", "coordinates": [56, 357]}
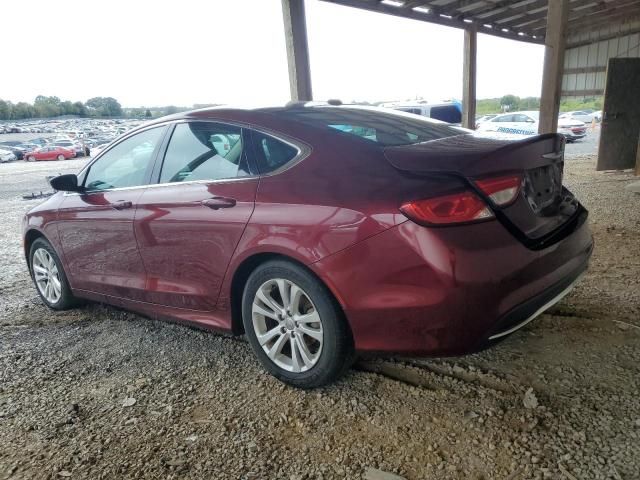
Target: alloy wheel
{"type": "Point", "coordinates": [47, 277]}
{"type": "Point", "coordinates": [287, 325]}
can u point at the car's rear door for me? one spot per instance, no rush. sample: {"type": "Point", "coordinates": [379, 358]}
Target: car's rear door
{"type": "Point", "coordinates": [96, 226]}
{"type": "Point", "coordinates": [189, 224]}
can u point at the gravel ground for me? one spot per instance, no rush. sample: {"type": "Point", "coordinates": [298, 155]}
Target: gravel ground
{"type": "Point", "coordinates": [101, 393]}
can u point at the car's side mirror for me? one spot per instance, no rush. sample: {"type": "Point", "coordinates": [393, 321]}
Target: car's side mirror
{"type": "Point", "coordinates": [66, 183]}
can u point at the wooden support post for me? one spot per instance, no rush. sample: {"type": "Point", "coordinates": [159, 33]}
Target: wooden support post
{"type": "Point", "coordinates": [637, 170]}
{"type": "Point", "coordinates": [469, 78]}
{"type": "Point", "coordinates": [295, 32]}
{"type": "Point", "coordinates": [553, 65]}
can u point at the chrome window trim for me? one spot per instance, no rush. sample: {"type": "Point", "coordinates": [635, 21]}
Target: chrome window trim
{"type": "Point", "coordinates": [304, 150]}
{"type": "Point", "coordinates": [118, 141]}
{"type": "Point", "coordinates": [168, 184]}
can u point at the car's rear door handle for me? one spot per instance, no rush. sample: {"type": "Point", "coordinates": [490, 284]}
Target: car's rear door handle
{"type": "Point", "coordinates": [121, 204]}
{"type": "Point", "coordinates": [219, 202]}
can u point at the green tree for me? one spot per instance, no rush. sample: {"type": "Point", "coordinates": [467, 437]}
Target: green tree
{"type": "Point", "coordinates": [47, 106]}
{"type": "Point", "coordinates": [170, 110]}
{"type": "Point", "coordinates": [528, 103]}
{"type": "Point", "coordinates": [67, 108]}
{"type": "Point", "coordinates": [148, 113]}
{"type": "Point", "coordinates": [23, 110]}
{"type": "Point", "coordinates": [80, 109]}
{"type": "Point", "coordinates": [5, 110]}
{"type": "Point", "coordinates": [104, 107]}
{"type": "Point", "coordinates": [509, 102]}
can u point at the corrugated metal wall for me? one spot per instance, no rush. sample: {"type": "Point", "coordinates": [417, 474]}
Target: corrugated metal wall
{"type": "Point", "coordinates": [585, 64]}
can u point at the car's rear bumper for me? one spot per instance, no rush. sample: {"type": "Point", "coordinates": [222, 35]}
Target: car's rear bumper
{"type": "Point", "coordinates": [529, 310]}
{"type": "Point", "coordinates": [574, 135]}
{"type": "Point", "coordinates": [447, 291]}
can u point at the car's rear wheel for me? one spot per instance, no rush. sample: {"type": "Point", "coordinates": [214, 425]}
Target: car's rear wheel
{"type": "Point", "coordinates": [60, 157]}
{"type": "Point", "coordinates": [49, 276]}
{"type": "Point", "coordinates": [31, 158]}
{"type": "Point", "coordinates": [294, 325]}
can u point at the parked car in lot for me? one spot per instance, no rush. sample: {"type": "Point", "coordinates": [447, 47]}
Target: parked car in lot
{"type": "Point", "coordinates": [15, 148]}
{"type": "Point", "coordinates": [485, 118]}
{"type": "Point", "coordinates": [321, 232]}
{"type": "Point", "coordinates": [75, 147]}
{"type": "Point", "coordinates": [449, 111]}
{"type": "Point", "coordinates": [7, 156]}
{"type": "Point", "coordinates": [95, 151]}
{"type": "Point", "coordinates": [49, 153]}
{"type": "Point", "coordinates": [586, 116]}
{"type": "Point", "coordinates": [526, 123]}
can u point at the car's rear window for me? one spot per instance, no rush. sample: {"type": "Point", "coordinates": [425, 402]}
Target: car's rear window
{"type": "Point", "coordinates": [386, 128]}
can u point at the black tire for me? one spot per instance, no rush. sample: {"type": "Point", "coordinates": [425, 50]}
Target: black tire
{"type": "Point", "coordinates": [66, 300]}
{"type": "Point", "coordinates": [337, 353]}
{"type": "Point", "coordinates": [60, 157]}
{"type": "Point", "coordinates": [31, 159]}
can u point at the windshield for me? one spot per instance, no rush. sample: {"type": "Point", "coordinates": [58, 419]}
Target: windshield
{"type": "Point", "coordinates": [383, 127]}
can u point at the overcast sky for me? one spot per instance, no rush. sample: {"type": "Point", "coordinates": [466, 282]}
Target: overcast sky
{"type": "Point", "coordinates": [153, 53]}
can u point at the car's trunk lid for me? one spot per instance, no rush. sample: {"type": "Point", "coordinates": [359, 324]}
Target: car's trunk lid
{"type": "Point", "coordinates": [543, 204]}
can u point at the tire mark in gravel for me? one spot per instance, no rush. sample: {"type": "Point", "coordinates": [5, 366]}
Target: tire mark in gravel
{"type": "Point", "coordinates": [412, 372]}
{"type": "Point", "coordinates": [424, 373]}
{"type": "Point", "coordinates": [396, 372]}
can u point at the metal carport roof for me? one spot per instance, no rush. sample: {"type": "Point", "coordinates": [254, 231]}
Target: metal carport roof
{"type": "Point", "coordinates": [524, 20]}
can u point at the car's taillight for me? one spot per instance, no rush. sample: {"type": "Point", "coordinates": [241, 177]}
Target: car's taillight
{"type": "Point", "coordinates": [463, 207]}
{"type": "Point", "coordinates": [501, 190]}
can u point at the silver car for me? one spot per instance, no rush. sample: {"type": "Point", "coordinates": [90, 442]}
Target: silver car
{"type": "Point", "coordinates": [7, 156]}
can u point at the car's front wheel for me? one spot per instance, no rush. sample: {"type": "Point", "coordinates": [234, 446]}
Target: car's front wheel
{"type": "Point", "coordinates": [294, 325]}
{"type": "Point", "coordinates": [49, 276]}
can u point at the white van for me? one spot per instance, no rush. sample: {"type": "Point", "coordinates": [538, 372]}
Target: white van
{"type": "Point", "coordinates": [447, 111]}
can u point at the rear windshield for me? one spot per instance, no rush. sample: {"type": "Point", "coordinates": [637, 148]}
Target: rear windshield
{"type": "Point", "coordinates": [386, 128]}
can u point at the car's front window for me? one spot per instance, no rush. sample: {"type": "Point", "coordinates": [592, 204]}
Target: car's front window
{"type": "Point", "coordinates": [126, 164]}
{"type": "Point", "coordinates": [204, 151]}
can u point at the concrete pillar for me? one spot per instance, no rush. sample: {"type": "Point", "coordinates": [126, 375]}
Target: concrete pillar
{"type": "Point", "coordinates": [295, 32]}
{"type": "Point", "coordinates": [555, 41]}
{"type": "Point", "coordinates": [469, 78]}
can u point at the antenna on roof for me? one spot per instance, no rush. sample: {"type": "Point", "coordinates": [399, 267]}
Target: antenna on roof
{"type": "Point", "coordinates": [334, 101]}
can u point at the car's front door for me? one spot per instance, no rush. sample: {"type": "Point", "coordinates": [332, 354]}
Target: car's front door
{"type": "Point", "coordinates": [96, 226]}
{"type": "Point", "coordinates": [48, 153]}
{"type": "Point", "coordinates": [189, 224]}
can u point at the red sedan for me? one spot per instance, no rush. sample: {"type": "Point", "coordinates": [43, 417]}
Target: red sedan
{"type": "Point", "coordinates": [319, 231]}
{"type": "Point", "coordinates": [49, 153]}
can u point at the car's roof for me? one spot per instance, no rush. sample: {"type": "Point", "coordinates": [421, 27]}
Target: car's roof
{"type": "Point", "coordinates": [268, 111]}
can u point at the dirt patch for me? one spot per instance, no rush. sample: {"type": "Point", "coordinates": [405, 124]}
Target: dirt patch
{"type": "Point", "coordinates": [204, 409]}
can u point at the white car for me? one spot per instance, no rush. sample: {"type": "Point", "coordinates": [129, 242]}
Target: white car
{"type": "Point", "coordinates": [6, 156]}
{"type": "Point", "coordinates": [95, 151]}
{"type": "Point", "coordinates": [582, 116]}
{"type": "Point", "coordinates": [526, 123]}
{"type": "Point", "coordinates": [485, 118]}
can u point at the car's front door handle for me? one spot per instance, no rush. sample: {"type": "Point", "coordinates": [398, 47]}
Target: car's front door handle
{"type": "Point", "coordinates": [219, 202]}
{"type": "Point", "coordinates": [121, 204]}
